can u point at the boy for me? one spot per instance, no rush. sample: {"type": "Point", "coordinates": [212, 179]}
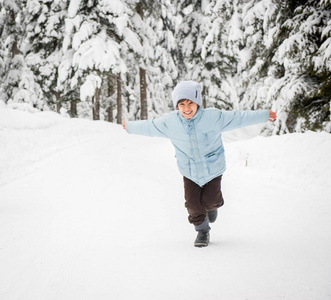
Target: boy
{"type": "Point", "coordinates": [196, 134]}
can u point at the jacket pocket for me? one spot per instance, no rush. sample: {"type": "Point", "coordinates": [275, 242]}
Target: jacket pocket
{"type": "Point", "coordinates": [215, 161]}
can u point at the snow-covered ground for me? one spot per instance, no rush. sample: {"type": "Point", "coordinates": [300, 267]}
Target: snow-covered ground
{"type": "Point", "coordinates": [90, 212]}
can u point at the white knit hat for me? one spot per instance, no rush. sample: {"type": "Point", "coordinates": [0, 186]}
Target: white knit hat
{"type": "Point", "coordinates": [187, 90]}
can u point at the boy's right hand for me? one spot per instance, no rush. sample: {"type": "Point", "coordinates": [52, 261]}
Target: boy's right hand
{"type": "Point", "coordinates": [123, 124]}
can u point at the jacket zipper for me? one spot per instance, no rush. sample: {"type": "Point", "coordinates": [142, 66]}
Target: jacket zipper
{"type": "Point", "coordinates": [196, 152]}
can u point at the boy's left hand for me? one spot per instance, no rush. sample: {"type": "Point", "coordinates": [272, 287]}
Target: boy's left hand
{"type": "Point", "coordinates": [272, 115]}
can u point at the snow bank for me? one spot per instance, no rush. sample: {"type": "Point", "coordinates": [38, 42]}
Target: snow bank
{"type": "Point", "coordinates": [29, 138]}
{"type": "Point", "coordinates": [299, 159]}
{"type": "Point", "coordinates": [17, 119]}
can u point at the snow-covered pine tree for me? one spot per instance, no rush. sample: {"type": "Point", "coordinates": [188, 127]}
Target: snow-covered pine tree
{"type": "Point", "coordinates": [247, 54]}
{"type": "Point", "coordinates": [113, 18]}
{"type": "Point", "coordinates": [307, 49]}
{"type": "Point", "coordinates": [162, 72]}
{"type": "Point", "coordinates": [280, 62]}
{"type": "Point", "coordinates": [203, 48]}
{"type": "Point", "coordinates": [218, 57]}
{"type": "Point", "coordinates": [94, 51]}
{"type": "Point", "coordinates": [11, 32]}
{"type": "Point", "coordinates": [255, 44]}
{"type": "Point", "coordinates": [153, 28]}
{"type": "Point", "coordinates": [130, 45]}
{"type": "Point", "coordinates": [44, 26]}
{"type": "Point", "coordinates": [128, 29]}
{"type": "Point", "coordinates": [190, 34]}
{"type": "Point", "coordinates": [2, 54]}
{"type": "Point", "coordinates": [18, 83]}
{"type": "Point", "coordinates": [138, 23]}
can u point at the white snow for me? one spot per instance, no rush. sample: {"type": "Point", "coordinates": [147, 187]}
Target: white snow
{"type": "Point", "coordinates": [90, 212]}
{"type": "Point", "coordinates": [73, 8]}
{"type": "Point", "coordinates": [88, 88]}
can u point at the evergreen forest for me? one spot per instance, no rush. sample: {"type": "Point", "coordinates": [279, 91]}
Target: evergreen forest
{"type": "Point", "coordinates": [118, 60]}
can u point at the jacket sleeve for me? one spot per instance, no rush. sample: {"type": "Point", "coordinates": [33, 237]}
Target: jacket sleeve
{"type": "Point", "coordinates": [154, 127]}
{"type": "Point", "coordinates": [230, 120]}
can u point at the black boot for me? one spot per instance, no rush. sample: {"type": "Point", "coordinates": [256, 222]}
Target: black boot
{"type": "Point", "coordinates": [202, 239]}
{"type": "Point", "coordinates": [212, 215]}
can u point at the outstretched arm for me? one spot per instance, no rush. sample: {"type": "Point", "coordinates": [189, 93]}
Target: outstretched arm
{"type": "Point", "coordinates": [230, 120]}
{"type": "Point", "coordinates": [146, 127]}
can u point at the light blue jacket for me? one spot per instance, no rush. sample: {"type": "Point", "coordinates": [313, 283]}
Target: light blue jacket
{"type": "Point", "coordinates": [198, 141]}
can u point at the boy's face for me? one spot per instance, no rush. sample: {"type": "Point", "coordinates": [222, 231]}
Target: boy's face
{"type": "Point", "coordinates": [187, 108]}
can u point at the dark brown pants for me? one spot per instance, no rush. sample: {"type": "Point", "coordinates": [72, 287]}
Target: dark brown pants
{"type": "Point", "coordinates": [199, 200]}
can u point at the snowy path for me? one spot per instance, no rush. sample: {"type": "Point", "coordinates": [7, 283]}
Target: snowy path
{"type": "Point", "coordinates": [105, 219]}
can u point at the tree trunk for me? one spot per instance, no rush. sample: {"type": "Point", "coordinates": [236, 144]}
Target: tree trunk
{"type": "Point", "coordinates": [110, 114]}
{"type": "Point", "coordinates": [111, 91]}
{"type": "Point", "coordinates": [127, 94]}
{"type": "Point", "coordinates": [96, 104]}
{"type": "Point", "coordinates": [143, 94]}
{"type": "Point", "coordinates": [142, 74]}
{"type": "Point", "coordinates": [204, 102]}
{"type": "Point", "coordinates": [128, 102]}
{"type": "Point", "coordinates": [58, 102]}
{"type": "Point", "coordinates": [14, 49]}
{"type": "Point", "coordinates": [73, 109]}
{"type": "Point", "coordinates": [119, 99]}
